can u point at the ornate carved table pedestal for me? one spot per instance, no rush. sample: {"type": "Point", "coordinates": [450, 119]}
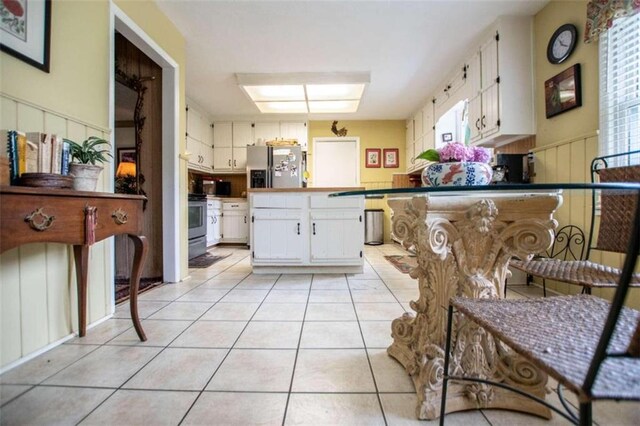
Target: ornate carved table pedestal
{"type": "Point", "coordinates": [463, 243]}
{"type": "Point", "coordinates": [38, 215]}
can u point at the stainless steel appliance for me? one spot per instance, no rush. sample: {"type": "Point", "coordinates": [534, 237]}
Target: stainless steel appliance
{"type": "Point", "coordinates": [374, 227]}
{"type": "Point", "coordinates": [512, 164]}
{"type": "Point", "coordinates": [274, 166]}
{"type": "Point", "coordinates": [197, 225]}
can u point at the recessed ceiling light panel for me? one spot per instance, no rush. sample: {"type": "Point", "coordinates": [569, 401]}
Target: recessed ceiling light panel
{"type": "Point", "coordinates": [328, 92]}
{"type": "Point", "coordinates": [333, 106]}
{"type": "Point", "coordinates": [282, 107]}
{"type": "Point", "coordinates": [275, 93]}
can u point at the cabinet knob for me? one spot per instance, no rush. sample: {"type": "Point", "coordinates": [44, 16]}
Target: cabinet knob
{"type": "Point", "coordinates": [483, 124]}
{"type": "Point", "coordinates": [298, 228]}
{"type": "Point", "coordinates": [314, 229]}
{"type": "Point", "coordinates": [478, 124]}
{"type": "Point", "coordinates": [229, 162]}
{"type": "Point", "coordinates": [234, 163]}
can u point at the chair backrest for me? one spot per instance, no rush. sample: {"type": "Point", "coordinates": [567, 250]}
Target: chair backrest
{"type": "Point", "coordinates": [568, 244]}
{"type": "Point", "coordinates": [633, 250]}
{"type": "Point", "coordinates": [616, 209]}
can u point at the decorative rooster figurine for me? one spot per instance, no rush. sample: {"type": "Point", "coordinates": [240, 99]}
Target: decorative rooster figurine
{"type": "Point", "coordinates": [341, 132]}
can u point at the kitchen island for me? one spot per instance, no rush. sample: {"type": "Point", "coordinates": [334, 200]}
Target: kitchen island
{"type": "Point", "coordinates": [302, 230]}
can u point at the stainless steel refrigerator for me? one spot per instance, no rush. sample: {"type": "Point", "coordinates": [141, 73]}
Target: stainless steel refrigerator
{"type": "Point", "coordinates": [274, 166]}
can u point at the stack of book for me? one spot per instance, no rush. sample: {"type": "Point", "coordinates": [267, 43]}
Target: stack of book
{"type": "Point", "coordinates": [35, 152]}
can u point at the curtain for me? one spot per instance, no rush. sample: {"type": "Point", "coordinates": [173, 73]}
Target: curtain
{"type": "Point", "coordinates": [602, 13]}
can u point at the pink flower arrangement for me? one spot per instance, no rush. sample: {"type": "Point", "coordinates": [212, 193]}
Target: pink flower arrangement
{"type": "Point", "coordinates": [456, 151]}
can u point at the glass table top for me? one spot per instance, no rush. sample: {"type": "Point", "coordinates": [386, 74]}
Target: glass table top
{"type": "Point", "coordinates": [520, 189]}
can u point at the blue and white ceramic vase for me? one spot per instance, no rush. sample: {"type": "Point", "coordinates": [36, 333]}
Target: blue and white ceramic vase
{"type": "Point", "coordinates": [457, 174]}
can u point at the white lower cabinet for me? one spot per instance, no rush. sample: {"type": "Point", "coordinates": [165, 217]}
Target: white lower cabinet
{"type": "Point", "coordinates": [277, 235]}
{"type": "Point", "coordinates": [214, 222]}
{"type": "Point", "coordinates": [336, 236]}
{"type": "Point", "coordinates": [235, 222]}
{"type": "Point", "coordinates": [307, 232]}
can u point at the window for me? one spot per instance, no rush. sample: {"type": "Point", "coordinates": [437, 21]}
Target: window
{"type": "Point", "coordinates": [620, 89]}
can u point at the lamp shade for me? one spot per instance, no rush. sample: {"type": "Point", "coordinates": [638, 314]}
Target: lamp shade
{"type": "Point", "coordinates": [126, 169]}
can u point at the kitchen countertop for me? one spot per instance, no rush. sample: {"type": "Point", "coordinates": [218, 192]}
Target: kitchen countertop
{"type": "Point", "coordinates": [312, 189]}
{"type": "Point", "coordinates": [227, 199]}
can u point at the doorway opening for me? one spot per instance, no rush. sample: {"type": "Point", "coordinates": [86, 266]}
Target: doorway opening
{"type": "Point", "coordinates": [336, 162]}
{"type": "Point", "coordinates": [168, 113]}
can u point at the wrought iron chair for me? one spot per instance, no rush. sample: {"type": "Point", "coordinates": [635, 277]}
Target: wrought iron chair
{"type": "Point", "coordinates": [568, 244]}
{"type": "Point", "coordinates": [587, 344]}
{"type": "Point", "coordinates": [615, 223]}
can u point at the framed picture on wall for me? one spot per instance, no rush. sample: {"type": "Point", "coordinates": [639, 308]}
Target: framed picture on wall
{"type": "Point", "coordinates": [390, 156]}
{"type": "Point", "coordinates": [562, 92]}
{"type": "Point", "coordinates": [127, 155]}
{"type": "Point", "coordinates": [26, 31]}
{"type": "Point", "coordinates": [372, 157]}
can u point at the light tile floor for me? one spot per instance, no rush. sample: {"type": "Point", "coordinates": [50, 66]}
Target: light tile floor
{"type": "Point", "coordinates": [230, 347]}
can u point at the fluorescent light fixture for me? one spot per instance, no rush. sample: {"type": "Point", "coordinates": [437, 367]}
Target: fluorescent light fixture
{"type": "Point", "coordinates": [325, 92]}
{"type": "Point", "coordinates": [298, 107]}
{"type": "Point", "coordinates": [304, 92]}
{"type": "Point", "coordinates": [275, 93]}
{"type": "Point", "coordinates": [333, 106]}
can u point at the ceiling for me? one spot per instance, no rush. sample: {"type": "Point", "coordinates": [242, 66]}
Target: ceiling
{"type": "Point", "coordinates": [409, 47]}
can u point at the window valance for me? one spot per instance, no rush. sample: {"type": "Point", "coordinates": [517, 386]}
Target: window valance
{"type": "Point", "coordinates": [602, 13]}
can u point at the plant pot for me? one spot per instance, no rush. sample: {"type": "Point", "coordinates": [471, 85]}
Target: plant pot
{"type": "Point", "coordinates": [457, 174]}
{"type": "Point", "coordinates": [85, 176]}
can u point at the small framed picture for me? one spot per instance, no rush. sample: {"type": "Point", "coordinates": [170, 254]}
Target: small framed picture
{"type": "Point", "coordinates": [562, 92]}
{"type": "Point", "coordinates": [26, 31]}
{"type": "Point", "coordinates": [390, 156]}
{"type": "Point", "coordinates": [127, 155]}
{"type": "Point", "coordinates": [447, 137]}
{"type": "Point", "coordinates": [372, 157]}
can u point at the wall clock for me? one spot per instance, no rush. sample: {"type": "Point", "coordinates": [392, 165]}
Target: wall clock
{"type": "Point", "coordinates": [562, 43]}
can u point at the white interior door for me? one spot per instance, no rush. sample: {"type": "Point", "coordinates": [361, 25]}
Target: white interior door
{"type": "Point", "coordinates": [336, 162]}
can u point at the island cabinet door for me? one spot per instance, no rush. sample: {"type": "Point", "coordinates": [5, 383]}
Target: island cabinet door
{"type": "Point", "coordinates": [337, 236]}
{"type": "Point", "coordinates": [277, 236]}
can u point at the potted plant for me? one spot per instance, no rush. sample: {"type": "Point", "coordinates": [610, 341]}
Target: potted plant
{"type": "Point", "coordinates": [456, 165]}
{"type": "Point", "coordinates": [84, 157]}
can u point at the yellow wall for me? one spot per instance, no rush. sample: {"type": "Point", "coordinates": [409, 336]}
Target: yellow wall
{"type": "Point", "coordinates": [578, 121]}
{"type": "Point", "coordinates": [78, 82]}
{"type": "Point", "coordinates": [37, 301]}
{"type": "Point", "coordinates": [373, 134]}
{"type": "Point", "coordinates": [566, 143]}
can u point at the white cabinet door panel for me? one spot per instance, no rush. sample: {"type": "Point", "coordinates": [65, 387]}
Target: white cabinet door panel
{"type": "Point", "coordinates": [324, 202]}
{"type": "Point", "coordinates": [266, 131]}
{"type": "Point", "coordinates": [490, 110]}
{"type": "Point", "coordinates": [223, 134]}
{"type": "Point", "coordinates": [295, 130]}
{"type": "Point", "coordinates": [235, 226]}
{"type": "Point", "coordinates": [242, 134]}
{"type": "Point", "coordinates": [277, 236]}
{"type": "Point", "coordinates": [195, 124]}
{"type": "Point", "coordinates": [222, 159]}
{"type": "Point", "coordinates": [277, 201]}
{"type": "Point", "coordinates": [239, 159]}
{"type": "Point", "coordinates": [193, 148]}
{"type": "Point", "coordinates": [475, 117]}
{"type": "Point", "coordinates": [336, 236]}
{"type": "Point", "coordinates": [489, 60]}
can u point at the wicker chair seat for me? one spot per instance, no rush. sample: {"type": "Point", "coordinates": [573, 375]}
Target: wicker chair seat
{"type": "Point", "coordinates": [559, 335]}
{"type": "Point", "coordinates": [580, 272]}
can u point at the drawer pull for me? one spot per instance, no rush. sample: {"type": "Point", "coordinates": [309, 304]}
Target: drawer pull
{"type": "Point", "coordinates": [120, 216]}
{"type": "Point", "coordinates": [39, 220]}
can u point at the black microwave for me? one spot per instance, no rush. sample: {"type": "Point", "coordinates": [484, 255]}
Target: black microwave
{"type": "Point", "coordinates": [223, 189]}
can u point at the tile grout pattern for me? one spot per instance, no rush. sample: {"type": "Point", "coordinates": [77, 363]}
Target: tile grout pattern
{"type": "Point", "coordinates": [244, 349]}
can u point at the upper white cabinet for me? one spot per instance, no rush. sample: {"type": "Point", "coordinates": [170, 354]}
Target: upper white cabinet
{"type": "Point", "coordinates": [230, 142]}
{"type": "Point", "coordinates": [501, 109]}
{"type": "Point", "coordinates": [295, 130]}
{"type": "Point", "coordinates": [497, 82]}
{"type": "Point", "coordinates": [266, 131]}
{"type": "Point", "coordinates": [199, 139]}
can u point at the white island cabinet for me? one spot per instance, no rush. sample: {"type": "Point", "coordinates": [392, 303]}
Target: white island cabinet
{"type": "Point", "coordinates": [303, 230]}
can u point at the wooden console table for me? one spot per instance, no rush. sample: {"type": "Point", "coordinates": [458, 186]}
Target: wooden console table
{"type": "Point", "coordinates": [39, 215]}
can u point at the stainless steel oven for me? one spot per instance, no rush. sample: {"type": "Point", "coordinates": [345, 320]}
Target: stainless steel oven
{"type": "Point", "coordinates": [197, 225]}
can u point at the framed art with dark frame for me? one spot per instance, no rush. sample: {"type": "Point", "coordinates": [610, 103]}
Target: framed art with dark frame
{"type": "Point", "coordinates": [26, 31]}
{"type": "Point", "coordinates": [562, 92]}
{"type": "Point", "coordinates": [372, 156]}
{"type": "Point", "coordinates": [390, 156]}
{"type": "Point", "coordinates": [127, 155]}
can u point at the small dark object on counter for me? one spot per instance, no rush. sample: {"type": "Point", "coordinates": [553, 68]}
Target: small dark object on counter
{"type": "Point", "coordinates": [46, 180]}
